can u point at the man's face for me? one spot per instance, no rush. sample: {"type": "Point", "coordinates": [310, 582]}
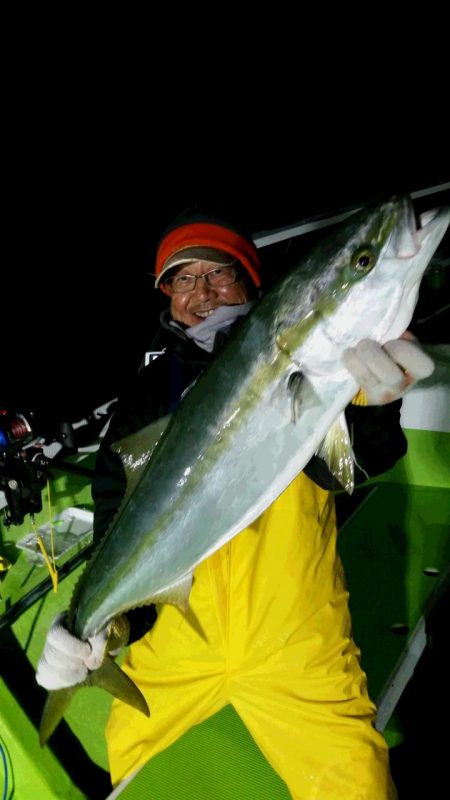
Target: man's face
{"type": "Point", "coordinates": [193, 307]}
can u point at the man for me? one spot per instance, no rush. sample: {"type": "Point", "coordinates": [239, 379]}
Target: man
{"type": "Point", "coordinates": [272, 602]}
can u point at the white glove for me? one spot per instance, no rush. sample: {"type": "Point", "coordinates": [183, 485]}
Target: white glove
{"type": "Point", "coordinates": [65, 659]}
{"type": "Point", "coordinates": [387, 372]}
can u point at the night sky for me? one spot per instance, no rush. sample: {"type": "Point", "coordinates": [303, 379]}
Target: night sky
{"type": "Point", "coordinates": [82, 223]}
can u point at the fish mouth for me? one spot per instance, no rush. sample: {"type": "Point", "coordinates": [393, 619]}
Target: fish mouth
{"type": "Point", "coordinates": [413, 229]}
{"type": "Point", "coordinates": [403, 243]}
{"type": "Point", "coordinates": [417, 228]}
{"type": "Point", "coordinates": [433, 223]}
{"type": "Point", "coordinates": [427, 217]}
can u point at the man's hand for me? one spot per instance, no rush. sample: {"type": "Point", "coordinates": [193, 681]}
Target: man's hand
{"type": "Point", "coordinates": [65, 659]}
{"type": "Point", "coordinates": [386, 372]}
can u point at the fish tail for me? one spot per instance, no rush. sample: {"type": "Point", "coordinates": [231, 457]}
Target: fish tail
{"type": "Point", "coordinates": [56, 704]}
{"type": "Point", "coordinates": [111, 677]}
{"type": "Point", "coordinates": [108, 676]}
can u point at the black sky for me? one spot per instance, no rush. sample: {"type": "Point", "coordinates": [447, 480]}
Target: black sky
{"type": "Point", "coordinates": [82, 221]}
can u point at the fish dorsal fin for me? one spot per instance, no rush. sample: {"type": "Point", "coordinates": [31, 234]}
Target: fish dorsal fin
{"type": "Point", "coordinates": [136, 450]}
{"type": "Point", "coordinates": [177, 594]}
{"type": "Point", "coordinates": [337, 452]}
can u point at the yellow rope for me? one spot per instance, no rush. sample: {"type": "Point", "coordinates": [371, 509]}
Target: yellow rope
{"type": "Point", "coordinates": [51, 568]}
{"type": "Point", "coordinates": [50, 516]}
{"type": "Point", "coordinates": [50, 564]}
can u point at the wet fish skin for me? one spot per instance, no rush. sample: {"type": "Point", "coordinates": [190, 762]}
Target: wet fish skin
{"type": "Point", "coordinates": [250, 423]}
{"type": "Point", "coordinates": [231, 448]}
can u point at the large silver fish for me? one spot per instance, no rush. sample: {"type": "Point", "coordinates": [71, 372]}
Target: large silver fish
{"type": "Point", "coordinates": [252, 420]}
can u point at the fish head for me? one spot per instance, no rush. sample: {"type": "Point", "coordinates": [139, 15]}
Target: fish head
{"type": "Point", "coordinates": [365, 280]}
{"type": "Point", "coordinates": [385, 297]}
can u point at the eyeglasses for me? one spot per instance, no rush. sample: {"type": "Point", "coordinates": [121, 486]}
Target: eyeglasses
{"type": "Point", "coordinates": [219, 276]}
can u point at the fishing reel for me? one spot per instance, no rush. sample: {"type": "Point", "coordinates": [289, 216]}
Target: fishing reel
{"type": "Point", "coordinates": [31, 444]}
{"type": "Point", "coordinates": [22, 478]}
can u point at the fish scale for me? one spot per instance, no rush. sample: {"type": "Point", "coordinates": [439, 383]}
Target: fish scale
{"type": "Point", "coordinates": [232, 447]}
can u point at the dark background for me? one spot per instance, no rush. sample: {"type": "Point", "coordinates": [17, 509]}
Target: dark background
{"type": "Point", "coordinates": [112, 125]}
{"type": "Point", "coordinates": [84, 213]}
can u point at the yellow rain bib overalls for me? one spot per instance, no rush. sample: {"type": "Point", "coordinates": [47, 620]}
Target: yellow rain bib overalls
{"type": "Point", "coordinates": [273, 605]}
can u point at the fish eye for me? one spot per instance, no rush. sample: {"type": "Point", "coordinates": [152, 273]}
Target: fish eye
{"type": "Point", "coordinates": [363, 259]}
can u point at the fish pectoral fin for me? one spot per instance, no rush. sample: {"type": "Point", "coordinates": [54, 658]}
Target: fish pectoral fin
{"type": "Point", "coordinates": [108, 676]}
{"type": "Point", "coordinates": [295, 382]}
{"type": "Point", "coordinates": [177, 594]}
{"type": "Point", "coordinates": [136, 450]}
{"type": "Point", "coordinates": [302, 394]}
{"type": "Point", "coordinates": [337, 452]}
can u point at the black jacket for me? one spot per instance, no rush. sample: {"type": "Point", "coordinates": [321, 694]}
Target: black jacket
{"type": "Point", "coordinates": [378, 440]}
